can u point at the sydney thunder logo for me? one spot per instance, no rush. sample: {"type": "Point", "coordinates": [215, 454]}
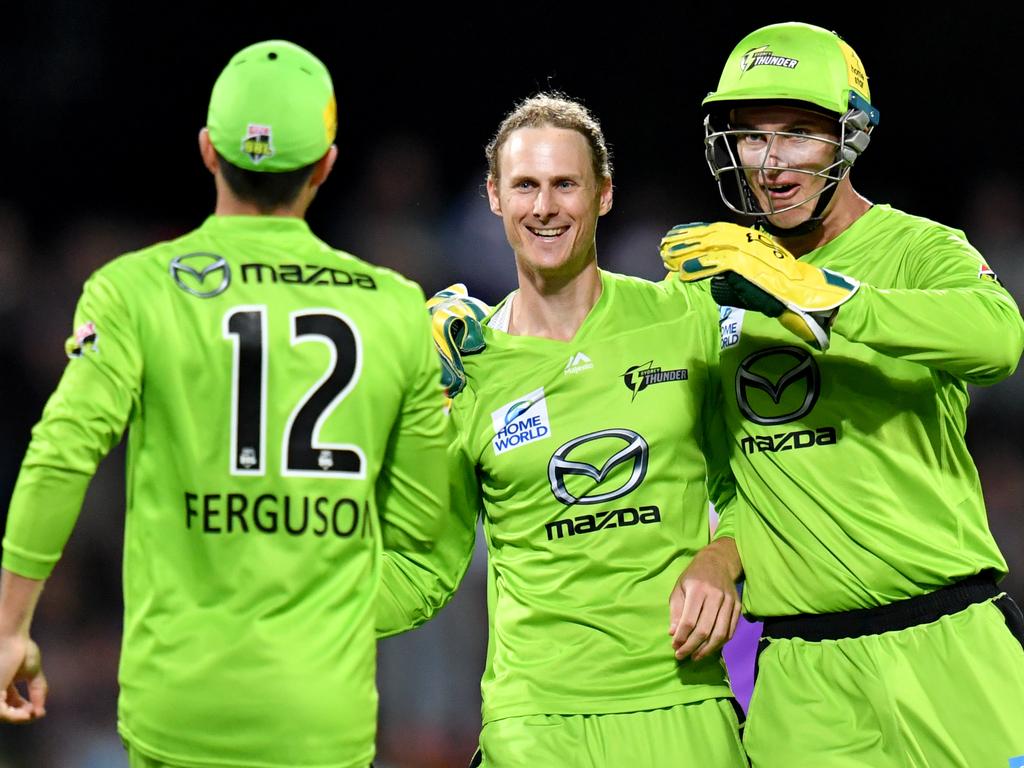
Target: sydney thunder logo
{"type": "Point", "coordinates": [762, 57]}
{"type": "Point", "coordinates": [638, 377]}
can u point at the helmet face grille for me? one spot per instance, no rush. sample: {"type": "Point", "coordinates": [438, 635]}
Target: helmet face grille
{"type": "Point", "coordinates": [731, 175]}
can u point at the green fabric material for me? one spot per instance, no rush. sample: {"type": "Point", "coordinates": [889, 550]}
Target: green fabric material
{"type": "Point", "coordinates": [254, 523]}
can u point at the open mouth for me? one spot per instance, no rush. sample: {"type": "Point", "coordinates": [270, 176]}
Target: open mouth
{"type": "Point", "coordinates": [549, 232]}
{"type": "Point", "coordinates": [781, 191]}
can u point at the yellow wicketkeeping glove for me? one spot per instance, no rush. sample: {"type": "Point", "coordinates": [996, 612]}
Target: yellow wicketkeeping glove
{"type": "Point", "coordinates": [455, 319]}
{"type": "Point", "coordinates": [752, 271]}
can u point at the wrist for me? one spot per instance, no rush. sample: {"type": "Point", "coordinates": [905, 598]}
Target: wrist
{"type": "Point", "coordinates": [724, 551]}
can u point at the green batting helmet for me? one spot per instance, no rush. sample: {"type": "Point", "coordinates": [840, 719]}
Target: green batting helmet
{"type": "Point", "coordinates": [798, 65]}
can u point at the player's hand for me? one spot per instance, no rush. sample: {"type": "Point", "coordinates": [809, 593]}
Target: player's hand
{"type": "Point", "coordinates": [455, 319]}
{"type": "Point", "coordinates": [752, 271]}
{"type": "Point", "coordinates": [704, 606]}
{"type": "Point", "coordinates": [21, 662]}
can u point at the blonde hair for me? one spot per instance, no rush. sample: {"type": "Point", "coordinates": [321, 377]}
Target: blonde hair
{"type": "Point", "coordinates": [555, 110]}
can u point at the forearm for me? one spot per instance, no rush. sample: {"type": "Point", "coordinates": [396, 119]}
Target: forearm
{"type": "Point", "coordinates": [723, 553]}
{"type": "Point", "coordinates": [18, 598]}
{"type": "Point", "coordinates": [973, 333]}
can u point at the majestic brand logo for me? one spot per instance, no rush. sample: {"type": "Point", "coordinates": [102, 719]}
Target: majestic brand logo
{"type": "Point", "coordinates": [198, 274]}
{"type": "Point", "coordinates": [524, 420]}
{"type": "Point", "coordinates": [764, 57]}
{"type": "Point", "coordinates": [777, 385]}
{"type": "Point", "coordinates": [578, 363]}
{"type": "Point", "coordinates": [567, 463]}
{"type": "Point", "coordinates": [638, 377]}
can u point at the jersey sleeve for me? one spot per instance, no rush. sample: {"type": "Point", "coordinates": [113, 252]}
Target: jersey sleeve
{"type": "Point", "coordinates": [955, 317]}
{"type": "Point", "coordinates": [412, 490]}
{"type": "Point", "coordinates": [415, 585]}
{"type": "Point", "coordinates": [83, 419]}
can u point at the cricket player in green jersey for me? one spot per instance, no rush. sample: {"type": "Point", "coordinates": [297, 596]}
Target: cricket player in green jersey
{"type": "Point", "coordinates": [849, 333]}
{"type": "Point", "coordinates": [580, 436]}
{"type": "Point", "coordinates": [284, 424]}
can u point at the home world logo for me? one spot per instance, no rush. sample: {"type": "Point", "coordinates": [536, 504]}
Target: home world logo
{"type": "Point", "coordinates": [524, 420]}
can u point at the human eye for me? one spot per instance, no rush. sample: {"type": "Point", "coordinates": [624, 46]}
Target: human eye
{"type": "Point", "coordinates": [750, 138]}
{"type": "Point", "coordinates": [565, 184]}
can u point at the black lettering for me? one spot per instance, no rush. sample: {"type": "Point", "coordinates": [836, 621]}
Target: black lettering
{"type": "Point", "coordinates": [237, 502]}
{"type": "Point", "coordinates": [585, 523]}
{"type": "Point", "coordinates": [782, 441]}
{"type": "Point", "coordinates": [826, 436]}
{"type": "Point", "coordinates": [321, 515]}
{"type": "Point", "coordinates": [288, 516]}
{"type": "Point", "coordinates": [561, 527]}
{"type": "Point", "coordinates": [260, 523]}
{"type": "Point", "coordinates": [258, 269]}
{"type": "Point", "coordinates": [341, 277]}
{"type": "Point", "coordinates": [209, 512]}
{"type": "Point", "coordinates": [313, 277]}
{"type": "Point", "coordinates": [747, 444]}
{"type": "Point", "coordinates": [803, 439]}
{"type": "Point", "coordinates": [604, 518]}
{"type": "Point", "coordinates": [764, 443]}
{"type": "Point", "coordinates": [290, 273]}
{"type": "Point", "coordinates": [190, 511]}
{"type": "Point", "coordinates": [366, 281]}
{"type": "Point", "coordinates": [334, 517]}
{"type": "Point", "coordinates": [650, 514]}
{"type": "Point", "coordinates": [627, 516]}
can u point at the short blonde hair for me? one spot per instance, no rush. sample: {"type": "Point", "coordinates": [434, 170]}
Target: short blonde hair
{"type": "Point", "coordinates": [555, 110]}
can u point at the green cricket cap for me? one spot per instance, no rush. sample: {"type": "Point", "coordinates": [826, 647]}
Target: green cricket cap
{"type": "Point", "coordinates": [272, 108]}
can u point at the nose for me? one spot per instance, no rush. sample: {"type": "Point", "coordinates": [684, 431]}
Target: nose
{"type": "Point", "coordinates": [545, 204]}
{"type": "Point", "coordinates": [774, 153]}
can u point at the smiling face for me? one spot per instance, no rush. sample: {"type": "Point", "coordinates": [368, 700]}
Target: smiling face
{"type": "Point", "coordinates": [788, 158]}
{"type": "Point", "coordinates": [549, 199]}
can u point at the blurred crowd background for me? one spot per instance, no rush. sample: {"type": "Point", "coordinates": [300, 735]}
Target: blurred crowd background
{"type": "Point", "coordinates": [100, 105]}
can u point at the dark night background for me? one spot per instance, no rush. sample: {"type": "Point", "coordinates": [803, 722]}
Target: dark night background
{"type": "Point", "coordinates": [100, 103]}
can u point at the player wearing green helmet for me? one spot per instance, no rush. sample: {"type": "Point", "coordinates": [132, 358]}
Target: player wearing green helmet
{"type": "Point", "coordinates": [860, 527]}
{"type": "Point", "coordinates": [805, 68]}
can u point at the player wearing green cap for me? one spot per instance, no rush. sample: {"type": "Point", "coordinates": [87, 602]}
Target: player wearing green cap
{"type": "Point", "coordinates": [859, 521]}
{"type": "Point", "coordinates": [580, 438]}
{"type": "Point", "coordinates": [285, 422]}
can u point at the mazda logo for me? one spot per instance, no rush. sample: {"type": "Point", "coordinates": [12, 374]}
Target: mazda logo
{"type": "Point", "coordinates": [778, 385]}
{"type": "Point", "coordinates": [192, 271]}
{"type": "Point", "coordinates": [635, 453]}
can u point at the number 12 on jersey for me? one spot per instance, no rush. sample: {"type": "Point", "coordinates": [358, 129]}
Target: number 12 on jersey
{"type": "Point", "coordinates": [302, 452]}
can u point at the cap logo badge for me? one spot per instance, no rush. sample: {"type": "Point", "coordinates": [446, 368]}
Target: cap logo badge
{"type": "Point", "coordinates": [763, 57]}
{"type": "Point", "coordinates": [257, 142]}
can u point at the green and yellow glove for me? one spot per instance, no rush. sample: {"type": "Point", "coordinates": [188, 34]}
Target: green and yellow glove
{"type": "Point", "coordinates": [455, 319]}
{"type": "Point", "coordinates": [752, 271]}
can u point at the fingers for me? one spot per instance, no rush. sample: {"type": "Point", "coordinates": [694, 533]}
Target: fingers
{"type": "Point", "coordinates": [701, 622]}
{"type": "Point", "coordinates": [38, 688]}
{"type": "Point", "coordinates": [723, 629]}
{"type": "Point", "coordinates": [14, 708]}
{"type": "Point", "coordinates": [695, 625]}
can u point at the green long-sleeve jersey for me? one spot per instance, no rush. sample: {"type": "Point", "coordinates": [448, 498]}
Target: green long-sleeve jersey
{"type": "Point", "coordinates": [587, 461]}
{"type": "Point", "coordinates": [285, 418]}
{"type": "Point", "coordinates": [855, 484]}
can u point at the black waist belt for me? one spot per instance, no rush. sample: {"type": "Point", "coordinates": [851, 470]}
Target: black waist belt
{"type": "Point", "coordinates": [922, 609]}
